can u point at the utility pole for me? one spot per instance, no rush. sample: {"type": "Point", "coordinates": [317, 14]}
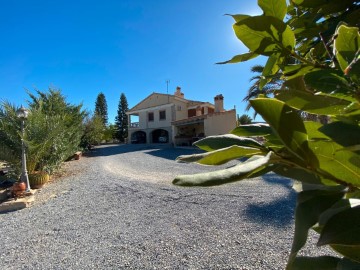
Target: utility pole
{"type": "Point", "coordinates": [167, 86]}
{"type": "Point", "coordinates": [167, 89]}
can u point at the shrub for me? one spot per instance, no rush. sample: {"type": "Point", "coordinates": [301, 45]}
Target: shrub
{"type": "Point", "coordinates": [55, 127]}
{"type": "Point", "coordinates": [93, 131]}
{"type": "Point", "coordinates": [10, 140]}
{"type": "Point", "coordinates": [52, 132]}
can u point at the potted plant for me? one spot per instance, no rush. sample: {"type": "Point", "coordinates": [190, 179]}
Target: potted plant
{"type": "Point", "coordinates": [38, 178]}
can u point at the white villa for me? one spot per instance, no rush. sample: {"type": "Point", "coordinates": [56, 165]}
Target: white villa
{"type": "Point", "coordinates": [164, 118]}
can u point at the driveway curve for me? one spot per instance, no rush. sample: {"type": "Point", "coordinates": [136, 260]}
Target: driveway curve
{"type": "Point", "coordinates": [117, 209]}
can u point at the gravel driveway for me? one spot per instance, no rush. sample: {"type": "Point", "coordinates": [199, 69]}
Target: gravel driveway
{"type": "Point", "coordinates": [117, 209]}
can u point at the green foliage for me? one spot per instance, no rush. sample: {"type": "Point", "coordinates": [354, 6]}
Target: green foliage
{"type": "Point", "coordinates": [244, 119]}
{"type": "Point", "coordinates": [55, 127]}
{"type": "Point", "coordinates": [121, 120]}
{"type": "Point", "coordinates": [52, 132]}
{"type": "Point", "coordinates": [314, 53]}
{"type": "Point", "coordinates": [109, 133]}
{"type": "Point", "coordinates": [101, 108]}
{"type": "Point", "coordinates": [93, 131]}
{"type": "Point", "coordinates": [263, 84]}
{"type": "Point", "coordinates": [10, 137]}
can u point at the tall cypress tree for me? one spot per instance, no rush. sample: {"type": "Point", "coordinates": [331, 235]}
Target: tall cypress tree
{"type": "Point", "coordinates": [101, 108]}
{"type": "Point", "coordinates": [121, 120]}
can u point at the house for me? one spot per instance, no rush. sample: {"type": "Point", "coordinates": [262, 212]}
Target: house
{"type": "Point", "coordinates": [164, 118]}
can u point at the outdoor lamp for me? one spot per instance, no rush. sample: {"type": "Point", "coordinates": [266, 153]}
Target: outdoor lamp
{"type": "Point", "coordinates": [23, 113]}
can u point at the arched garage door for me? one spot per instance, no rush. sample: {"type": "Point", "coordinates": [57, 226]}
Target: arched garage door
{"type": "Point", "coordinates": [138, 137]}
{"type": "Point", "coordinates": [160, 136]}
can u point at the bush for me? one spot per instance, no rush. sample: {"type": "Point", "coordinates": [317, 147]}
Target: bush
{"type": "Point", "coordinates": [93, 131]}
{"type": "Point", "coordinates": [10, 139]}
{"type": "Point", "coordinates": [55, 127]}
{"type": "Point", "coordinates": [52, 132]}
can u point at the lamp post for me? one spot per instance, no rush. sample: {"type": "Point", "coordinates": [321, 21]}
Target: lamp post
{"type": "Point", "coordinates": [23, 113]}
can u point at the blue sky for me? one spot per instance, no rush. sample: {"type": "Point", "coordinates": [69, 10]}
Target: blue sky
{"type": "Point", "coordinates": [123, 46]}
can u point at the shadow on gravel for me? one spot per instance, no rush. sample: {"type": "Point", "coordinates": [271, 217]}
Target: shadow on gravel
{"type": "Point", "coordinates": [115, 149]}
{"type": "Point", "coordinates": [158, 150]}
{"type": "Point", "coordinates": [172, 153]}
{"type": "Point", "coordinates": [277, 213]}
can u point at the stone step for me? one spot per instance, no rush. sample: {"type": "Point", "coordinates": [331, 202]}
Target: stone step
{"type": "Point", "coordinates": [18, 204]}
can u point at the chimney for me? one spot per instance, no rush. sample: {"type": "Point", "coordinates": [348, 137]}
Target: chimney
{"type": "Point", "coordinates": [219, 103]}
{"type": "Point", "coordinates": [178, 92]}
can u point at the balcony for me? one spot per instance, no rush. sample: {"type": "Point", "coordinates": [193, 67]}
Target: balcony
{"type": "Point", "coordinates": [134, 125]}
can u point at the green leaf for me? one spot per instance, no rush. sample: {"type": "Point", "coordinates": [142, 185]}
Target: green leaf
{"type": "Point", "coordinates": [310, 205]}
{"type": "Point", "coordinates": [294, 71]}
{"type": "Point", "coordinates": [327, 81]}
{"type": "Point", "coordinates": [296, 83]}
{"type": "Point", "coordinates": [351, 252]}
{"type": "Point", "coordinates": [259, 130]}
{"type": "Point", "coordinates": [342, 229]}
{"type": "Point", "coordinates": [342, 165]}
{"type": "Point", "coordinates": [354, 106]}
{"type": "Point", "coordinates": [310, 3]}
{"type": "Point", "coordinates": [351, 118]}
{"type": "Point", "coordinates": [342, 232]}
{"type": "Point", "coordinates": [353, 148]}
{"type": "Point", "coordinates": [330, 8]}
{"type": "Point", "coordinates": [338, 207]}
{"type": "Point", "coordinates": [349, 135]}
{"type": "Point", "coordinates": [270, 69]}
{"type": "Point", "coordinates": [265, 35]}
{"type": "Point", "coordinates": [220, 156]}
{"type": "Point", "coordinates": [286, 123]}
{"type": "Point", "coordinates": [253, 130]}
{"type": "Point", "coordinates": [275, 8]}
{"type": "Point", "coordinates": [327, 143]}
{"type": "Point", "coordinates": [211, 143]}
{"type": "Point", "coordinates": [240, 58]}
{"type": "Point", "coordinates": [316, 104]}
{"type": "Point", "coordinates": [346, 45]}
{"type": "Point", "coordinates": [238, 17]}
{"type": "Point", "coordinates": [315, 263]}
{"type": "Point", "coordinates": [346, 264]}
{"type": "Point", "coordinates": [302, 175]}
{"type": "Point", "coordinates": [236, 173]}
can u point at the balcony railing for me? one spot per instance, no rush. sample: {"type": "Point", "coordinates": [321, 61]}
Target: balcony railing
{"type": "Point", "coordinates": [134, 125]}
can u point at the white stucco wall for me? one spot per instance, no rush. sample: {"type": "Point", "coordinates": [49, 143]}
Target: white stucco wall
{"type": "Point", "coordinates": [180, 114]}
{"type": "Point", "coordinates": [220, 123]}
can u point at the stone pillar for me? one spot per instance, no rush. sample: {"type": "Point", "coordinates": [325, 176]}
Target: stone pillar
{"type": "Point", "coordinates": [198, 111]}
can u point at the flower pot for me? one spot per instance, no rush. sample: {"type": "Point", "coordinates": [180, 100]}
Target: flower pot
{"type": "Point", "coordinates": [38, 179]}
{"type": "Point", "coordinates": [19, 187]}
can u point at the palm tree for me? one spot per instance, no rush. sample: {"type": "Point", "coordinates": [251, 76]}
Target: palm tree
{"type": "Point", "coordinates": [244, 119]}
{"type": "Point", "coordinates": [269, 88]}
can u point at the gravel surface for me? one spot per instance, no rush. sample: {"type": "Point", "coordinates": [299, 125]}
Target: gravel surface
{"type": "Point", "coordinates": [117, 209]}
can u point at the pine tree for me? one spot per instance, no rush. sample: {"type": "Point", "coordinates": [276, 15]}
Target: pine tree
{"type": "Point", "coordinates": [101, 108]}
{"type": "Point", "coordinates": [121, 120]}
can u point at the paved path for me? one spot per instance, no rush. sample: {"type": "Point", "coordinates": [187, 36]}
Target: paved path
{"type": "Point", "coordinates": [117, 209]}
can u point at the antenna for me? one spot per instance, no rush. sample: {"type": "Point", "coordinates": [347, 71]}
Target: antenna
{"type": "Point", "coordinates": [167, 86]}
{"type": "Point", "coordinates": [167, 89]}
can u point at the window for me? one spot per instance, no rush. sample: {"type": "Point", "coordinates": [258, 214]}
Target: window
{"type": "Point", "coordinates": [150, 116]}
{"type": "Point", "coordinates": [179, 108]}
{"type": "Point", "coordinates": [162, 115]}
